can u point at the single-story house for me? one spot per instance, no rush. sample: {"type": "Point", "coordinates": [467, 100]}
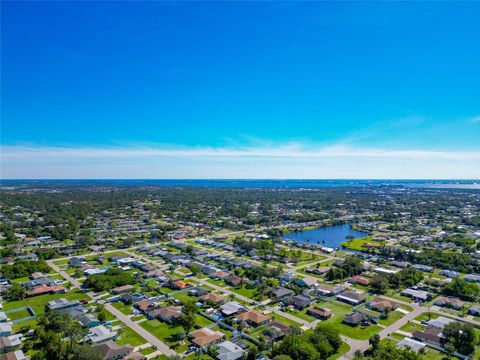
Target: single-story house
{"type": "Point", "coordinates": [227, 350]}
{"type": "Point", "coordinates": [382, 305]}
{"type": "Point", "coordinates": [449, 301]}
{"type": "Point", "coordinates": [168, 314]}
{"type": "Point", "coordinates": [416, 294]}
{"type": "Point", "coordinates": [100, 334]}
{"type": "Point", "coordinates": [231, 308]}
{"type": "Point", "coordinates": [205, 337]}
{"type": "Point", "coordinates": [354, 318]}
{"type": "Point", "coordinates": [440, 322]}
{"type": "Point", "coordinates": [212, 298]}
{"type": "Point", "coordinates": [276, 330]}
{"type": "Point", "coordinates": [351, 297]}
{"type": "Point", "coordinates": [474, 310]}
{"type": "Point", "coordinates": [253, 317]}
{"type": "Point", "coordinates": [308, 281]}
{"type": "Point", "coordinates": [281, 293]}
{"type": "Point", "coordinates": [321, 313]}
{"type": "Point", "coordinates": [431, 335]}
{"type": "Point", "coordinates": [122, 289]}
{"type": "Point", "coordinates": [111, 351]}
{"type": "Point", "coordinates": [301, 301]}
{"type": "Point", "coordinates": [412, 344]}
{"type": "Point", "coordinates": [359, 280]}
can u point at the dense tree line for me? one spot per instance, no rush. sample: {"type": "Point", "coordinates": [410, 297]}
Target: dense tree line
{"type": "Point", "coordinates": [323, 342]}
{"type": "Point", "coordinates": [110, 279]}
{"type": "Point", "coordinates": [57, 337]}
{"type": "Point", "coordinates": [352, 266]}
{"type": "Point", "coordinates": [24, 268]}
{"type": "Point", "coordinates": [463, 289]}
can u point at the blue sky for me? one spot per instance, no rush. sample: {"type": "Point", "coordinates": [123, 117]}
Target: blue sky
{"type": "Point", "coordinates": [205, 90]}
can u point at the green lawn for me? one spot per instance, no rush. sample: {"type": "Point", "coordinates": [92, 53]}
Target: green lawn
{"type": "Point", "coordinates": [166, 290]}
{"type": "Point", "coordinates": [228, 333]}
{"type": "Point", "coordinates": [358, 244]}
{"type": "Point", "coordinates": [61, 262]}
{"type": "Point", "coordinates": [184, 297]}
{"type": "Point", "coordinates": [37, 303]}
{"type": "Point", "coordinates": [433, 354]}
{"type": "Point", "coordinates": [250, 293]}
{"type": "Point", "coordinates": [397, 336]}
{"type": "Point", "coordinates": [148, 350]}
{"type": "Point", "coordinates": [302, 314]}
{"type": "Point", "coordinates": [411, 327]}
{"type": "Point", "coordinates": [165, 333]}
{"type": "Point", "coordinates": [284, 320]}
{"type": "Point", "coordinates": [129, 336]}
{"type": "Point", "coordinates": [424, 316]}
{"type": "Point", "coordinates": [20, 280]}
{"type": "Point", "coordinates": [393, 316]}
{"type": "Point", "coordinates": [339, 310]}
{"type": "Point", "coordinates": [202, 321]}
{"type": "Point", "coordinates": [124, 308]}
{"type": "Point", "coordinates": [19, 315]}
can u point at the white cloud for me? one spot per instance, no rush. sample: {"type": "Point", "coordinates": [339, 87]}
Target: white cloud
{"type": "Point", "coordinates": [293, 160]}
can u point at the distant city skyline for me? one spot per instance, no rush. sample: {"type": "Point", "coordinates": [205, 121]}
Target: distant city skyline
{"type": "Point", "coordinates": [325, 90]}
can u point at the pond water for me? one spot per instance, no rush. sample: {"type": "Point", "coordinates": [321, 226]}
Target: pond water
{"type": "Point", "coordinates": [331, 236]}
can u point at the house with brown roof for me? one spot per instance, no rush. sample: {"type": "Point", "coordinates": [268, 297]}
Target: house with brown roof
{"type": "Point", "coordinates": [111, 351]}
{"type": "Point", "coordinates": [431, 335]}
{"type": "Point", "coordinates": [212, 299]}
{"type": "Point", "coordinates": [253, 317]}
{"type": "Point", "coordinates": [382, 305]}
{"type": "Point", "coordinates": [180, 284]}
{"type": "Point", "coordinates": [122, 289]}
{"type": "Point", "coordinates": [145, 305]}
{"type": "Point", "coordinates": [325, 290]}
{"type": "Point", "coordinates": [354, 318]}
{"type": "Point", "coordinates": [319, 270]}
{"type": "Point", "coordinates": [46, 289]}
{"type": "Point", "coordinates": [168, 314]}
{"type": "Point", "coordinates": [360, 280]}
{"type": "Point", "coordinates": [205, 337]}
{"type": "Point", "coordinates": [449, 301]}
{"type": "Point", "coordinates": [234, 280]}
{"type": "Point", "coordinates": [221, 275]}
{"type": "Point", "coordinates": [320, 313]}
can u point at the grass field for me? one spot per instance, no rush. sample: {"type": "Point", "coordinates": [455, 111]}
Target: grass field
{"type": "Point", "coordinates": [339, 310]}
{"type": "Point", "coordinates": [166, 333]}
{"type": "Point", "coordinates": [38, 303]}
{"type": "Point", "coordinates": [129, 336]}
{"type": "Point", "coordinates": [284, 320]}
{"type": "Point", "coordinates": [19, 315]}
{"type": "Point", "coordinates": [424, 316]}
{"type": "Point", "coordinates": [250, 293]}
{"type": "Point", "coordinates": [202, 321]}
{"type": "Point", "coordinates": [124, 309]}
{"type": "Point", "coordinates": [411, 327]}
{"type": "Point", "coordinates": [393, 316]}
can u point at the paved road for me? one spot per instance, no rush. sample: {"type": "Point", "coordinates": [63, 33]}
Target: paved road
{"type": "Point", "coordinates": [164, 349]}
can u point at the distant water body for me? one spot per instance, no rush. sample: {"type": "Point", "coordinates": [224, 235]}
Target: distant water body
{"type": "Point", "coordinates": [253, 183]}
{"type": "Point", "coordinates": [331, 236]}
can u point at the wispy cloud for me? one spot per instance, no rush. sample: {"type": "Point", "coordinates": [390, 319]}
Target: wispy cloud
{"type": "Point", "coordinates": [269, 160]}
{"type": "Point", "coordinates": [474, 119]}
{"type": "Point", "coordinates": [290, 150]}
